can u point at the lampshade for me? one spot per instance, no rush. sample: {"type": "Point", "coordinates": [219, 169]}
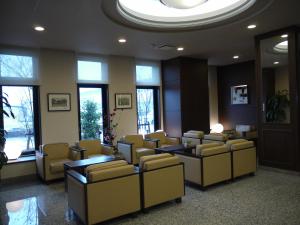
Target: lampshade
{"type": "Point", "coordinates": [182, 4]}
{"type": "Point", "coordinates": [217, 128]}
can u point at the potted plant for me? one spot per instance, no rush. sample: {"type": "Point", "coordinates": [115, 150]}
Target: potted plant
{"type": "Point", "coordinates": [276, 106]}
{"type": "Point", "coordinates": [8, 113]}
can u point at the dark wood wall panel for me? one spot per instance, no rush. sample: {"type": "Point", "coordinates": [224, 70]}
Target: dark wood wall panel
{"type": "Point", "coordinates": [232, 75]}
{"type": "Point", "coordinates": [277, 149]}
{"type": "Point", "coordinates": [185, 95]}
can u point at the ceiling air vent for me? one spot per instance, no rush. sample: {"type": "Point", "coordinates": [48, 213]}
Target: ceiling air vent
{"type": "Point", "coordinates": [164, 47]}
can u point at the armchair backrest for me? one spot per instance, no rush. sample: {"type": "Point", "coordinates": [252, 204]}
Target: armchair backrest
{"type": "Point", "coordinates": [158, 161]}
{"type": "Point", "coordinates": [136, 139]}
{"type": "Point", "coordinates": [157, 135]}
{"type": "Point", "coordinates": [57, 150]}
{"type": "Point", "coordinates": [91, 146]}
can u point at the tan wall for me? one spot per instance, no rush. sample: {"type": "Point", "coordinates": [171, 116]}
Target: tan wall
{"type": "Point", "coordinates": [57, 75]}
{"type": "Point", "coordinates": [122, 80]}
{"type": "Point", "coordinates": [213, 95]}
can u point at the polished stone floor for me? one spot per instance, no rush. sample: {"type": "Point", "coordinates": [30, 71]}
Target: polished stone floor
{"type": "Point", "coordinates": [269, 198]}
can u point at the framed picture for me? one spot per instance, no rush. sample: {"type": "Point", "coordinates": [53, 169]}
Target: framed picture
{"type": "Point", "coordinates": [123, 101]}
{"type": "Point", "coordinates": [239, 94]}
{"type": "Point", "coordinates": [59, 102]}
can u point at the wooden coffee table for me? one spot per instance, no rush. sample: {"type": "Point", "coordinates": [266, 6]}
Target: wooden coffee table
{"type": "Point", "coordinates": [80, 165]}
{"type": "Point", "coordinates": [175, 149]}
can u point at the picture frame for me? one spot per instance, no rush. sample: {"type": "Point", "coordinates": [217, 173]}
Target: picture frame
{"type": "Point", "coordinates": [123, 100]}
{"type": "Point", "coordinates": [239, 95]}
{"type": "Point", "coordinates": [59, 102]}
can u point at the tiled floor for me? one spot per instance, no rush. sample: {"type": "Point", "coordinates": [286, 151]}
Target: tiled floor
{"type": "Point", "coordinates": [270, 197]}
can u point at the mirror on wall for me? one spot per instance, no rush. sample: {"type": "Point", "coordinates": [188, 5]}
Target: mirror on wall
{"type": "Point", "coordinates": [275, 79]}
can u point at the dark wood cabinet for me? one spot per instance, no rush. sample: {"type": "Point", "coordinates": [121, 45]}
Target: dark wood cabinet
{"type": "Point", "coordinates": [185, 95]}
{"type": "Point", "coordinates": [277, 62]}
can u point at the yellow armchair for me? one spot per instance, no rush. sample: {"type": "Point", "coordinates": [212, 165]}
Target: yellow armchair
{"type": "Point", "coordinates": [92, 148]}
{"type": "Point", "coordinates": [50, 160]}
{"type": "Point", "coordinates": [162, 139]}
{"type": "Point", "coordinates": [133, 147]}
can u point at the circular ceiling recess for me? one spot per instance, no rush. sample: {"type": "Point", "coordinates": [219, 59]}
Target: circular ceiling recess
{"type": "Point", "coordinates": [167, 15]}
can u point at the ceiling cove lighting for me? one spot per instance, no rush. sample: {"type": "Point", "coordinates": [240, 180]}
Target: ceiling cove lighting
{"type": "Point", "coordinates": [236, 57]}
{"type": "Point", "coordinates": [180, 49]}
{"type": "Point", "coordinates": [39, 28]}
{"type": "Point", "coordinates": [182, 4]}
{"type": "Point", "coordinates": [251, 26]}
{"type": "Point", "coordinates": [122, 40]}
{"type": "Point", "coordinates": [180, 13]}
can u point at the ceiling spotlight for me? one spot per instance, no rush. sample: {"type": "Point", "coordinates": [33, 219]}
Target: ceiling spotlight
{"type": "Point", "coordinates": [122, 40]}
{"type": "Point", "coordinates": [251, 26]}
{"type": "Point", "coordinates": [275, 63]}
{"type": "Point", "coordinates": [180, 48]}
{"type": "Point", "coordinates": [236, 57]}
{"type": "Point", "coordinates": [284, 35]}
{"type": "Point", "coordinates": [39, 28]}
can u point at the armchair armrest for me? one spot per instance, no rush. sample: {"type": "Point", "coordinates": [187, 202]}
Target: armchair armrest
{"type": "Point", "coordinates": [80, 178]}
{"type": "Point", "coordinates": [150, 144]}
{"type": "Point", "coordinates": [40, 153]}
{"type": "Point", "coordinates": [173, 140]}
{"type": "Point", "coordinates": [108, 149]}
{"type": "Point", "coordinates": [126, 149]}
{"type": "Point", "coordinates": [155, 140]}
{"type": "Point", "coordinates": [75, 150]}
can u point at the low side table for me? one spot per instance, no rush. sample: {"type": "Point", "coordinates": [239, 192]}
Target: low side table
{"type": "Point", "coordinates": [78, 149]}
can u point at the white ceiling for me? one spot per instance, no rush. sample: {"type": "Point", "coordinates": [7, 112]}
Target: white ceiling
{"type": "Point", "coordinates": [81, 25]}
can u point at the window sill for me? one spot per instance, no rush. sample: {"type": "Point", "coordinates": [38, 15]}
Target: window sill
{"type": "Point", "coordinates": [22, 159]}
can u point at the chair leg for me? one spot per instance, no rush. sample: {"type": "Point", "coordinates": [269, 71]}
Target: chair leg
{"type": "Point", "coordinates": [178, 200]}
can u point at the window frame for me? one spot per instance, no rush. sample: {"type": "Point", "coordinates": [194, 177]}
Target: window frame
{"type": "Point", "coordinates": [36, 115]}
{"type": "Point", "coordinates": [156, 104]}
{"type": "Point", "coordinates": [105, 101]}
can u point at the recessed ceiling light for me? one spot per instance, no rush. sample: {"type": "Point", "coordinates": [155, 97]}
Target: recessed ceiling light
{"type": "Point", "coordinates": [251, 26]}
{"type": "Point", "coordinates": [275, 63]}
{"type": "Point", "coordinates": [122, 40]}
{"type": "Point", "coordinates": [180, 48]}
{"type": "Point", "coordinates": [236, 57]}
{"type": "Point", "coordinates": [284, 35]}
{"type": "Point", "coordinates": [39, 28]}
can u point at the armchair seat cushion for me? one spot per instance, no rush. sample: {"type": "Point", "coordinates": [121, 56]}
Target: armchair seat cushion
{"type": "Point", "coordinates": [148, 158]}
{"type": "Point", "coordinates": [144, 151]}
{"type": "Point", "coordinates": [160, 163]}
{"type": "Point", "coordinates": [106, 165]}
{"type": "Point", "coordinates": [194, 134]}
{"type": "Point", "coordinates": [57, 165]}
{"type": "Point", "coordinates": [165, 145]}
{"type": "Point", "coordinates": [110, 173]}
{"type": "Point", "coordinates": [216, 137]}
{"type": "Point", "coordinates": [242, 145]}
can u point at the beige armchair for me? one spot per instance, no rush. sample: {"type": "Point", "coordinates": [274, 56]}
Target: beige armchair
{"type": "Point", "coordinates": [210, 164]}
{"type": "Point", "coordinates": [243, 157]}
{"type": "Point", "coordinates": [133, 147]}
{"type": "Point", "coordinates": [92, 148]}
{"type": "Point", "coordinates": [215, 137]}
{"type": "Point", "coordinates": [50, 160]}
{"type": "Point", "coordinates": [162, 139]}
{"type": "Point", "coordinates": [108, 190]}
{"type": "Point", "coordinates": [162, 179]}
{"type": "Point", "coordinates": [192, 137]}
